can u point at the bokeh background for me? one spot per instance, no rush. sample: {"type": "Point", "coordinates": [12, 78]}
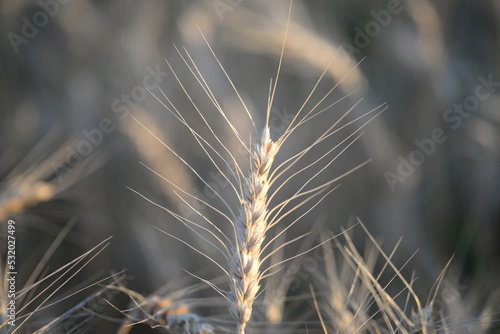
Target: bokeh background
{"type": "Point", "coordinates": [75, 69]}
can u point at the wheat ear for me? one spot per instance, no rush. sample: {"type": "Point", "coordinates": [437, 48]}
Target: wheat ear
{"type": "Point", "coordinates": [155, 311]}
{"type": "Point", "coordinates": [246, 253]}
{"type": "Point", "coordinates": [251, 226]}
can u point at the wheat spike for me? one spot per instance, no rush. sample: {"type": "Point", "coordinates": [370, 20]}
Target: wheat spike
{"type": "Point", "coordinates": [247, 251]}
{"type": "Point", "coordinates": [258, 212]}
{"type": "Point", "coordinates": [155, 311]}
{"type": "Point", "coordinates": [251, 228]}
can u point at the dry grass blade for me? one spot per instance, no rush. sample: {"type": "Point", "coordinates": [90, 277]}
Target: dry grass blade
{"type": "Point", "coordinates": [366, 294]}
{"type": "Point", "coordinates": [45, 298]}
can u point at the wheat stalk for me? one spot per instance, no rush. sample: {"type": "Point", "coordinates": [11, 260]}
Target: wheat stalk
{"type": "Point", "coordinates": [256, 215]}
{"type": "Point", "coordinates": [246, 252]}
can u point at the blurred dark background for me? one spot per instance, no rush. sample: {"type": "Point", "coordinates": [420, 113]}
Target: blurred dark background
{"type": "Point", "coordinates": [74, 71]}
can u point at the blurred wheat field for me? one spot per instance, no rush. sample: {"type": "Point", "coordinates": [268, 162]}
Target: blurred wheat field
{"type": "Point", "coordinates": [83, 121]}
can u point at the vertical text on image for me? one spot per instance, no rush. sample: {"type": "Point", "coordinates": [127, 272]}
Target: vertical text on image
{"type": "Point", "coordinates": [11, 272]}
